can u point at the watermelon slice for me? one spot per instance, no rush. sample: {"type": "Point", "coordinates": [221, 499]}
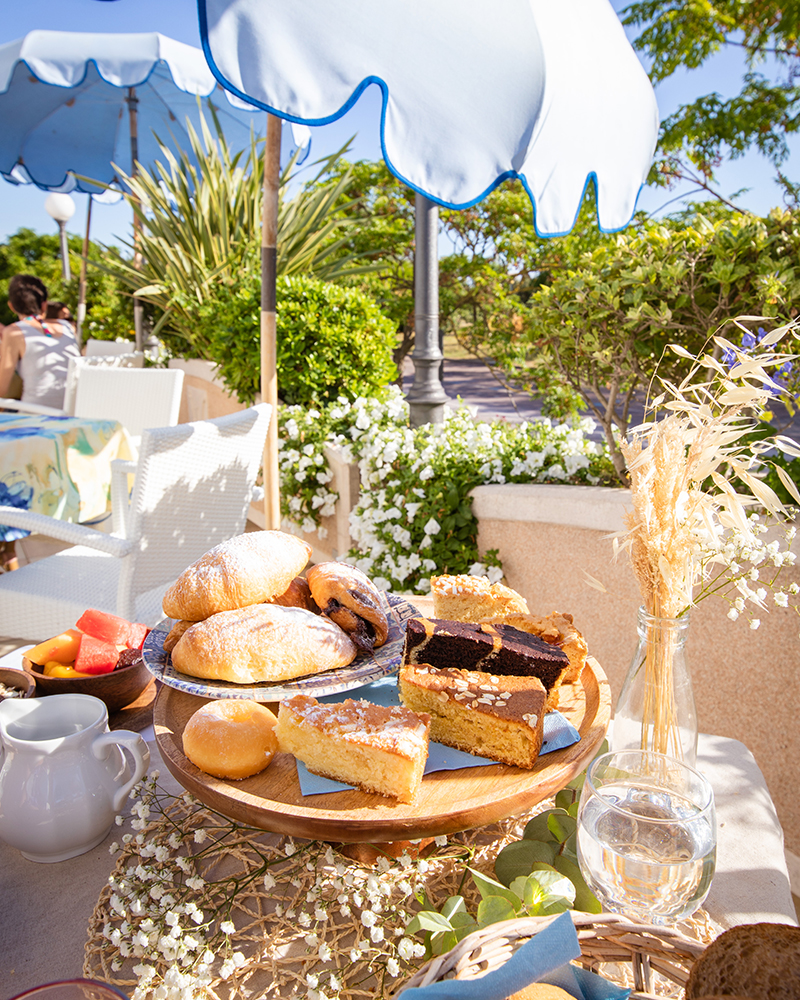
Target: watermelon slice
{"type": "Point", "coordinates": [111, 628]}
{"type": "Point", "coordinates": [95, 656]}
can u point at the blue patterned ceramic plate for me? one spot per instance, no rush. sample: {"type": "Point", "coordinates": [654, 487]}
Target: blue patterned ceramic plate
{"type": "Point", "coordinates": [365, 668]}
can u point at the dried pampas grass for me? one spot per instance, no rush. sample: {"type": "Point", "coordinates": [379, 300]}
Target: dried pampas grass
{"type": "Point", "coordinates": [682, 462]}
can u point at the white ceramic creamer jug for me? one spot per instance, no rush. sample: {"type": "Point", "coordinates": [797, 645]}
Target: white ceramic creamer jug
{"type": "Point", "coordinates": [63, 775]}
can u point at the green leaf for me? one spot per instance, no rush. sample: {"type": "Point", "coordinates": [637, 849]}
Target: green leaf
{"type": "Point", "coordinates": [585, 899]}
{"type": "Point", "coordinates": [518, 858]}
{"type": "Point", "coordinates": [453, 905]}
{"type": "Point", "coordinates": [561, 825]}
{"type": "Point", "coordinates": [493, 909]}
{"type": "Point", "coordinates": [488, 887]}
{"type": "Point", "coordinates": [565, 798]}
{"type": "Point", "coordinates": [538, 828]}
{"type": "Point", "coordinates": [429, 920]}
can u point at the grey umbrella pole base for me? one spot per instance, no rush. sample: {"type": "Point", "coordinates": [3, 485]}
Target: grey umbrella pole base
{"type": "Point", "coordinates": [426, 397]}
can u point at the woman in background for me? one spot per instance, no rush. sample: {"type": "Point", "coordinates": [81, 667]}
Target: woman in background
{"type": "Point", "coordinates": [39, 350]}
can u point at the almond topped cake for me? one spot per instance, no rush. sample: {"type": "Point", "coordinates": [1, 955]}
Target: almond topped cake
{"type": "Point", "coordinates": [465, 598]}
{"type": "Point", "coordinates": [493, 648]}
{"type": "Point", "coordinates": [484, 714]}
{"type": "Point", "coordinates": [373, 747]}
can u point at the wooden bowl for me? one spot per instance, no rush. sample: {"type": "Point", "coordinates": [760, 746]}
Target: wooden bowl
{"type": "Point", "coordinates": [117, 689]}
{"type": "Point", "coordinates": [19, 679]}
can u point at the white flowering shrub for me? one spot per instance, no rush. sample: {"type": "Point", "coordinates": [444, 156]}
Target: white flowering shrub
{"type": "Point", "coordinates": [415, 515]}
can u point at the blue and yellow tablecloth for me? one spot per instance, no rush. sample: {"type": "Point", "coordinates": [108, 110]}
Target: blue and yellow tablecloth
{"type": "Point", "coordinates": [60, 466]}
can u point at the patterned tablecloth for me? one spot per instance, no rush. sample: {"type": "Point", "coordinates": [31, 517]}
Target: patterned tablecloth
{"type": "Point", "coordinates": [60, 466]}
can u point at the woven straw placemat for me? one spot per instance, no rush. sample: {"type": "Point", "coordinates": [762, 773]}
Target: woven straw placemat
{"type": "Point", "coordinates": [234, 913]}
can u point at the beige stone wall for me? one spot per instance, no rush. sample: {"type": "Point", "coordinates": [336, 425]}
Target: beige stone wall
{"type": "Point", "coordinates": [204, 394]}
{"type": "Point", "coordinates": [747, 683]}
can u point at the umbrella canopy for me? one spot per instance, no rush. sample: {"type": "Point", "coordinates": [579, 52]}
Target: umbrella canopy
{"type": "Point", "coordinates": [75, 104]}
{"type": "Point", "coordinates": [66, 99]}
{"type": "Point", "coordinates": [550, 92]}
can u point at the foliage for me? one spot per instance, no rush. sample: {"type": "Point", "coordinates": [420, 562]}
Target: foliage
{"type": "Point", "coordinates": [331, 340]}
{"type": "Point", "coordinates": [604, 321]}
{"type": "Point", "coordinates": [415, 514]}
{"type": "Point", "coordinates": [200, 225]}
{"type": "Point", "coordinates": [109, 310]}
{"type": "Point", "coordinates": [684, 34]}
{"type": "Point", "coordinates": [537, 875]}
{"type": "Point", "coordinates": [496, 263]}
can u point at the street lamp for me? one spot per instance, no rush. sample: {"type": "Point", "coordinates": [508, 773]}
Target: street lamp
{"type": "Point", "coordinates": [61, 208]}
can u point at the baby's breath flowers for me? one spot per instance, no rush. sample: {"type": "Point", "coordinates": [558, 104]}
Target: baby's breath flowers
{"type": "Point", "coordinates": [696, 488]}
{"type": "Point", "coordinates": [200, 907]}
{"type": "Point", "coordinates": [415, 516]}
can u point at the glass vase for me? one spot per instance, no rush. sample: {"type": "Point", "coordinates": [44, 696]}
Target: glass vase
{"type": "Point", "coordinates": [655, 709]}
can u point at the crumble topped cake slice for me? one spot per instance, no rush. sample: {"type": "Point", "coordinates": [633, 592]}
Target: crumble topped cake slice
{"type": "Point", "coordinates": [373, 747]}
{"type": "Point", "coordinates": [484, 714]}
{"type": "Point", "coordinates": [465, 598]}
{"type": "Point", "coordinates": [493, 648]}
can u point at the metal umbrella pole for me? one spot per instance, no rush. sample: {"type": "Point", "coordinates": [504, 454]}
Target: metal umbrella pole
{"type": "Point", "coordinates": [81, 314]}
{"type": "Point", "coordinates": [426, 397]}
{"type": "Point", "coordinates": [269, 352]}
{"type": "Point", "coordinates": [138, 310]}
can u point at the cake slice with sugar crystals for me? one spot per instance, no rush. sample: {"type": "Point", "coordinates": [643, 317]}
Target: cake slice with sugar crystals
{"type": "Point", "coordinates": [375, 748]}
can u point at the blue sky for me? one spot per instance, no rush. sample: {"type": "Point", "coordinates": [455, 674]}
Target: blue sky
{"type": "Point", "coordinates": [178, 18]}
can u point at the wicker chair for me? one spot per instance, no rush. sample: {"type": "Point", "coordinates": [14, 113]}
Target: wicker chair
{"type": "Point", "coordinates": [192, 490]}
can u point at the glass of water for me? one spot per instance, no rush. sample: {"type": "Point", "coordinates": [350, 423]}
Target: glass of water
{"type": "Point", "coordinates": [647, 835]}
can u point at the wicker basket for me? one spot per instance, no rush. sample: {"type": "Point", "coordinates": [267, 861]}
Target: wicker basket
{"type": "Point", "coordinates": [604, 938]}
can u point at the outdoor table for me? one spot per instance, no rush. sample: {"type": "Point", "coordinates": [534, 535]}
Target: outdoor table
{"type": "Point", "coordinates": [46, 907]}
{"type": "Point", "coordinates": [60, 466]}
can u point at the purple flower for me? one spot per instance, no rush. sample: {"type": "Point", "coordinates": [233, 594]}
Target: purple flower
{"type": "Point", "coordinates": [748, 341]}
{"type": "Point", "coordinates": [729, 357]}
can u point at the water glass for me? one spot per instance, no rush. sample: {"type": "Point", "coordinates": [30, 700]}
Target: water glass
{"type": "Point", "coordinates": [647, 835]}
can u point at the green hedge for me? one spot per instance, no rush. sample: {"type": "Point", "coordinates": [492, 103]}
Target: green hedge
{"type": "Point", "coordinates": [332, 341]}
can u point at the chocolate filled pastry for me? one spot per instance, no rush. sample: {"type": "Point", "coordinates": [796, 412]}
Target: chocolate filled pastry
{"type": "Point", "coordinates": [298, 595]}
{"type": "Point", "coordinates": [349, 598]}
{"type": "Point", "coordinates": [175, 633]}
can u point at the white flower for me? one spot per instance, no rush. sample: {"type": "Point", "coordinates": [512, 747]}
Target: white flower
{"type": "Point", "coordinates": [781, 599]}
{"type": "Point", "coordinates": [755, 623]}
{"type": "Point", "coordinates": [376, 934]}
{"type": "Point", "coordinates": [269, 881]}
{"type": "Point", "coordinates": [733, 614]}
{"type": "Point", "coordinates": [368, 918]}
{"type": "Point", "coordinates": [227, 927]}
{"type": "Point", "coordinates": [200, 836]}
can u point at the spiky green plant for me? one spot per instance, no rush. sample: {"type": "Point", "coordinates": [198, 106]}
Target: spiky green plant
{"type": "Point", "coordinates": [200, 219]}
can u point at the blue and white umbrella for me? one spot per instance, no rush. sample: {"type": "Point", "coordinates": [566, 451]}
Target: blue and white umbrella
{"type": "Point", "coordinates": [549, 91]}
{"type": "Point", "coordinates": [67, 98]}
{"type": "Point", "coordinates": [74, 104]}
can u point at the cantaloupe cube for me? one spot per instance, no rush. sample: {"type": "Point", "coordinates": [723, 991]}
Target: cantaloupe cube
{"type": "Point", "coordinates": [61, 648]}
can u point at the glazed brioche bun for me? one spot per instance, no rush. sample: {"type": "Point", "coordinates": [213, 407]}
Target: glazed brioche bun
{"type": "Point", "coordinates": [263, 643]}
{"type": "Point", "coordinates": [230, 738]}
{"type": "Point", "coordinates": [245, 570]}
{"type": "Point", "coordinates": [541, 991]}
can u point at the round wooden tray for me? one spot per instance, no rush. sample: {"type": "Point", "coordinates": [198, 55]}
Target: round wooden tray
{"type": "Point", "coordinates": [448, 801]}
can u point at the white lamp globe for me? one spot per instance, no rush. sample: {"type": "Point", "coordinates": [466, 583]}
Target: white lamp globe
{"type": "Point", "coordinates": [59, 207]}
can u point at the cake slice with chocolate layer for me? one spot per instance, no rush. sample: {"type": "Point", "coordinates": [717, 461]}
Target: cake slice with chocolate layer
{"type": "Point", "coordinates": [372, 747]}
{"type": "Point", "coordinates": [483, 714]}
{"type": "Point", "coordinates": [495, 649]}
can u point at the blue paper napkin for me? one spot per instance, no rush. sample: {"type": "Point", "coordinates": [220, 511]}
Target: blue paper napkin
{"type": "Point", "coordinates": [558, 733]}
{"type": "Point", "coordinates": [556, 945]}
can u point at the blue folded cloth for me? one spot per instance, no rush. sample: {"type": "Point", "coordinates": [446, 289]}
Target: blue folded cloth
{"type": "Point", "coordinates": [558, 733]}
{"type": "Point", "coordinates": [544, 958]}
